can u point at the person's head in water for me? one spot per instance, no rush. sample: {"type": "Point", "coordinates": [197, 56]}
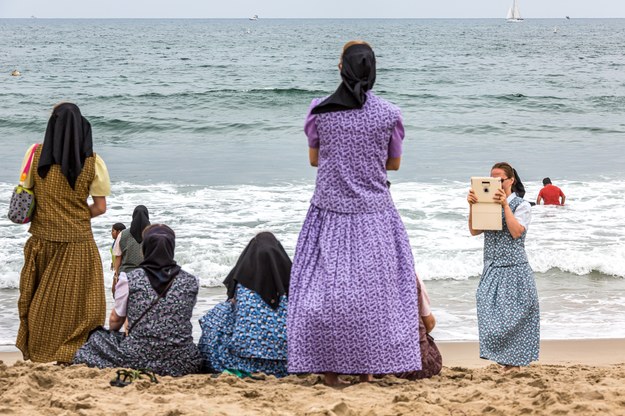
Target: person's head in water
{"type": "Point", "coordinates": [116, 229]}
{"type": "Point", "coordinates": [546, 181]}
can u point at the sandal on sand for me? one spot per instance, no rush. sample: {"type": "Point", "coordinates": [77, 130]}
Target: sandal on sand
{"type": "Point", "coordinates": [241, 374]}
{"type": "Point", "coordinates": [126, 377]}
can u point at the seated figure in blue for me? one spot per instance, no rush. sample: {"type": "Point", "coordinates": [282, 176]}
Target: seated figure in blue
{"type": "Point", "coordinates": [247, 332]}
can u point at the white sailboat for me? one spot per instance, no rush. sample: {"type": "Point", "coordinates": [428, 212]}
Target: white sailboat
{"type": "Point", "coordinates": [255, 17]}
{"type": "Point", "coordinates": [514, 16]}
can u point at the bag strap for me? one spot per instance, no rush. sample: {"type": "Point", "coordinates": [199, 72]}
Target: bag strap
{"type": "Point", "coordinates": [28, 163]}
{"type": "Point", "coordinates": [149, 308]}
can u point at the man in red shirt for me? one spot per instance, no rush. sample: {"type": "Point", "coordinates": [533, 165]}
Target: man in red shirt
{"type": "Point", "coordinates": [551, 194]}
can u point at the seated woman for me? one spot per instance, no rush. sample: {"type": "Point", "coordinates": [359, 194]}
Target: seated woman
{"type": "Point", "coordinates": [158, 300]}
{"type": "Point", "coordinates": [431, 359]}
{"type": "Point", "coordinates": [247, 332]}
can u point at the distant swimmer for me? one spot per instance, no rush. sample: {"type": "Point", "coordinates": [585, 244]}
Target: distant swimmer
{"type": "Point", "coordinates": [16, 73]}
{"type": "Point", "coordinates": [550, 194]}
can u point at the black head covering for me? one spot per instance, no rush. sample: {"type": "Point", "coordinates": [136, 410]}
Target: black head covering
{"type": "Point", "coordinates": [158, 247]}
{"type": "Point", "coordinates": [358, 74]}
{"type": "Point", "coordinates": [518, 187]}
{"type": "Point", "coordinates": [263, 267]}
{"type": "Point", "coordinates": [140, 220]}
{"type": "Point", "coordinates": [67, 143]}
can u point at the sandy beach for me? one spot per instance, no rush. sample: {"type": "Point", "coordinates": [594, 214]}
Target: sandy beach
{"type": "Point", "coordinates": [577, 377]}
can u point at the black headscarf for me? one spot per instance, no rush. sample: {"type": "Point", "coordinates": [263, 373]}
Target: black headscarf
{"type": "Point", "coordinates": [67, 143]}
{"type": "Point", "coordinates": [518, 187]}
{"type": "Point", "coordinates": [140, 220]}
{"type": "Point", "coordinates": [358, 74]}
{"type": "Point", "coordinates": [263, 267]}
{"type": "Point", "coordinates": [159, 243]}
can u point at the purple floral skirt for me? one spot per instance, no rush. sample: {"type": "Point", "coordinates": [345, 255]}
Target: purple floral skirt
{"type": "Point", "coordinates": [353, 296]}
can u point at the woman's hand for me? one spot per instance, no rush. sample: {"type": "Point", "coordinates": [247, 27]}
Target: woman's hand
{"type": "Point", "coordinates": [501, 198]}
{"type": "Point", "coordinates": [471, 198]}
{"type": "Point", "coordinates": [116, 321]}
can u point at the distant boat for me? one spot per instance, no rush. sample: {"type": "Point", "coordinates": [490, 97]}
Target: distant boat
{"type": "Point", "coordinates": [568, 18]}
{"type": "Point", "coordinates": [255, 17]}
{"type": "Point", "coordinates": [514, 16]}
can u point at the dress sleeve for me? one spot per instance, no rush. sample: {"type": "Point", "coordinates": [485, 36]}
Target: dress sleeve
{"type": "Point", "coordinates": [523, 214]}
{"type": "Point", "coordinates": [101, 185]}
{"type": "Point", "coordinates": [397, 138]}
{"type": "Point", "coordinates": [28, 179]}
{"type": "Point", "coordinates": [121, 295]}
{"type": "Point", "coordinates": [117, 249]}
{"type": "Point", "coordinates": [310, 126]}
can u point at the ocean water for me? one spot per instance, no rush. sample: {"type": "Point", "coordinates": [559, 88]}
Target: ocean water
{"type": "Point", "coordinates": [201, 121]}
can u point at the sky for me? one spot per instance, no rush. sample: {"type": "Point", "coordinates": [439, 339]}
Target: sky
{"type": "Point", "coordinates": [308, 9]}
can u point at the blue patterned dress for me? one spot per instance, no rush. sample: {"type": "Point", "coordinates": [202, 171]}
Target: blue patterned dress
{"type": "Point", "coordinates": [507, 302]}
{"type": "Point", "coordinates": [246, 335]}
{"type": "Point", "coordinates": [162, 341]}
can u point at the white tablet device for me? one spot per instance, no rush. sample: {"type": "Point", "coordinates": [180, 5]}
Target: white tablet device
{"type": "Point", "coordinates": [486, 213]}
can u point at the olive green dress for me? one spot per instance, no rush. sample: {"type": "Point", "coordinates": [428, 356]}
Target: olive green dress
{"type": "Point", "coordinates": [62, 283]}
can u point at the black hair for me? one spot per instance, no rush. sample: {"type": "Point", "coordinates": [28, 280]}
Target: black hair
{"type": "Point", "coordinates": [118, 226]}
{"type": "Point", "coordinates": [546, 181]}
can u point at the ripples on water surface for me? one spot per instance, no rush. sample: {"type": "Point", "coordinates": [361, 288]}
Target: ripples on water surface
{"type": "Point", "coordinates": [220, 94]}
{"type": "Point", "coordinates": [201, 120]}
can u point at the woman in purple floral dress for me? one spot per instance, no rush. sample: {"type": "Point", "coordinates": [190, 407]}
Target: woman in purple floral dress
{"type": "Point", "coordinates": [353, 299]}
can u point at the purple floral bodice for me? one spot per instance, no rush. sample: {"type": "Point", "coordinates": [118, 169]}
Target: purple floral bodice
{"type": "Point", "coordinates": [353, 150]}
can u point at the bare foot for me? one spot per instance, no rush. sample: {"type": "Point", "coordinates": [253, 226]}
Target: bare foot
{"type": "Point", "coordinates": [332, 380]}
{"type": "Point", "coordinates": [366, 378]}
{"type": "Point", "coordinates": [506, 369]}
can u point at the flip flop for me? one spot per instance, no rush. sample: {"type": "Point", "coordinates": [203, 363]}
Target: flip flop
{"type": "Point", "coordinates": [126, 377]}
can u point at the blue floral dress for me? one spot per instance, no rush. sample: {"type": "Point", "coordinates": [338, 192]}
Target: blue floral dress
{"type": "Point", "coordinates": [507, 301]}
{"type": "Point", "coordinates": [246, 335]}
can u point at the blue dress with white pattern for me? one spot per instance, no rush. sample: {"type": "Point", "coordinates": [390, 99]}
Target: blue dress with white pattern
{"type": "Point", "coordinates": [246, 335]}
{"type": "Point", "coordinates": [507, 301]}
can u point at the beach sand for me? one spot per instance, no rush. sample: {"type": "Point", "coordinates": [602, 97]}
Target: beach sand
{"type": "Point", "coordinates": [579, 377]}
